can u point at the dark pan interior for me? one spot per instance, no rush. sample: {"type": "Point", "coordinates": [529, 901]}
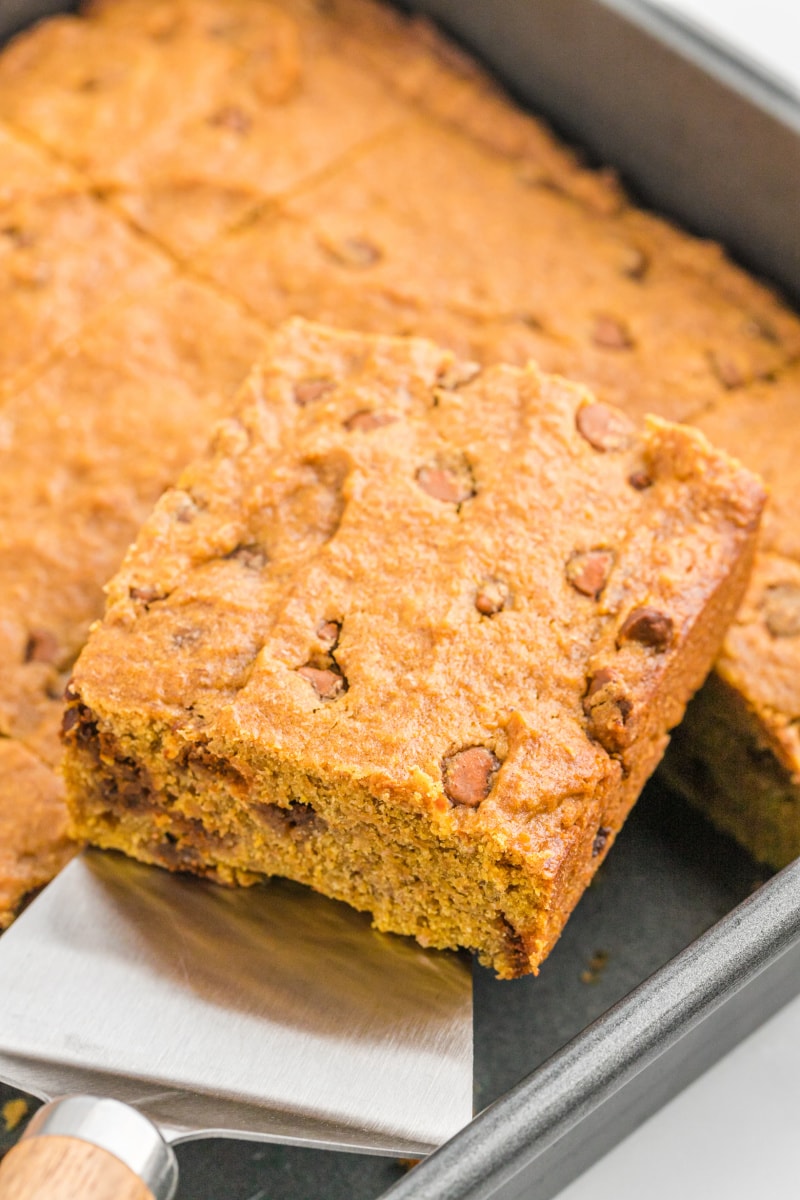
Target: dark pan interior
{"type": "Point", "coordinates": [661, 109]}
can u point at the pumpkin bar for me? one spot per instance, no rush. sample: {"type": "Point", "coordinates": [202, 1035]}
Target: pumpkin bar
{"type": "Point", "coordinates": [50, 286]}
{"type": "Point", "coordinates": [430, 234]}
{"type": "Point", "coordinates": [87, 449]}
{"type": "Point", "coordinates": [412, 633]}
{"type": "Point", "coordinates": [738, 754]}
{"type": "Point", "coordinates": [198, 116]}
{"type": "Point", "coordinates": [135, 393]}
{"type": "Point", "coordinates": [34, 840]}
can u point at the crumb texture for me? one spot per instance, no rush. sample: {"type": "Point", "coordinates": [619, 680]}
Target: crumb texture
{"type": "Point", "coordinates": [34, 842]}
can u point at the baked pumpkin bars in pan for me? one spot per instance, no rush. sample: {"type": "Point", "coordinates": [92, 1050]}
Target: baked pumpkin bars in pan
{"type": "Point", "coordinates": [176, 178]}
{"type": "Point", "coordinates": [412, 633]}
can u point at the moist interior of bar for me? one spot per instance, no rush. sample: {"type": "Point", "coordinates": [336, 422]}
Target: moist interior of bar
{"type": "Point", "coordinates": [335, 835]}
{"type": "Point", "coordinates": [719, 763]}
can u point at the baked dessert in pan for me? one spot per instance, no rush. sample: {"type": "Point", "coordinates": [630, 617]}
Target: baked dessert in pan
{"type": "Point", "coordinates": [411, 632]}
{"type": "Point", "coordinates": [345, 163]}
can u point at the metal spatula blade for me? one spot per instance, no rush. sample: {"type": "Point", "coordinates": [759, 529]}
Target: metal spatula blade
{"type": "Point", "coordinates": [266, 1012]}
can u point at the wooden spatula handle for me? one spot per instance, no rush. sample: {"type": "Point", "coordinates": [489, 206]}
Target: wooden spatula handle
{"type": "Point", "coordinates": [62, 1168]}
{"type": "Point", "coordinates": [88, 1148]}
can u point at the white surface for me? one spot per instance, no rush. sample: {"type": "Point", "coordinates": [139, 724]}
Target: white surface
{"type": "Point", "coordinates": [732, 1135]}
{"type": "Point", "coordinates": [764, 31]}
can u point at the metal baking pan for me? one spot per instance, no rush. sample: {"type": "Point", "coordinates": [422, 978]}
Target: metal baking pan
{"type": "Point", "coordinates": [682, 945]}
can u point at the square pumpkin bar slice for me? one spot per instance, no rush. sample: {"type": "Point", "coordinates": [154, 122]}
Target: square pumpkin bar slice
{"type": "Point", "coordinates": [411, 633]}
{"type": "Point", "coordinates": [64, 260]}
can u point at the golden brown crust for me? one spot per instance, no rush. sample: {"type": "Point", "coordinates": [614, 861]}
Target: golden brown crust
{"type": "Point", "coordinates": [49, 288]}
{"type": "Point", "coordinates": [265, 100]}
{"type": "Point", "coordinates": [34, 842]}
{"type": "Point", "coordinates": [760, 426]}
{"type": "Point", "coordinates": [304, 606]}
{"type": "Point", "coordinates": [87, 449]}
{"type": "Point", "coordinates": [402, 239]}
{"type": "Point", "coordinates": [760, 657]}
{"type": "Point", "coordinates": [742, 738]}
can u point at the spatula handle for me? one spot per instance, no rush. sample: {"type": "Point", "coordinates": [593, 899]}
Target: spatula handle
{"type": "Point", "coordinates": [62, 1168]}
{"type": "Point", "coordinates": [86, 1148]}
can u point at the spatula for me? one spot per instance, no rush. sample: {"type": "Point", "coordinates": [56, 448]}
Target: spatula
{"type": "Point", "coordinates": [195, 1011]}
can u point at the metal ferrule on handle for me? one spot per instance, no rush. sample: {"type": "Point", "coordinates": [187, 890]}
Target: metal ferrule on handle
{"type": "Point", "coordinates": [110, 1126]}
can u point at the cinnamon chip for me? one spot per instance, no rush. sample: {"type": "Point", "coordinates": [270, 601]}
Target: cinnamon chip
{"type": "Point", "coordinates": [355, 252]}
{"type": "Point", "coordinates": [326, 683]}
{"type": "Point", "coordinates": [601, 837]}
{"type": "Point", "coordinates": [649, 627]}
{"type": "Point", "coordinates": [603, 427]}
{"type": "Point", "coordinates": [492, 597]}
{"type": "Point", "coordinates": [588, 571]}
{"type": "Point", "coordinates": [42, 647]}
{"type": "Point", "coordinates": [635, 263]}
{"type": "Point", "coordinates": [328, 632]}
{"type": "Point", "coordinates": [309, 390]}
{"type": "Point", "coordinates": [445, 483]}
{"type": "Point", "coordinates": [469, 775]}
{"type": "Point", "coordinates": [782, 610]}
{"type": "Point", "coordinates": [611, 334]}
{"type": "Point", "coordinates": [608, 709]}
{"type": "Point", "coordinates": [146, 595]}
{"type": "Point", "coordinates": [234, 119]}
{"type": "Point", "coordinates": [727, 370]}
{"type": "Point", "coordinates": [251, 556]}
{"type": "Point", "coordinates": [365, 421]}
{"type": "Point", "coordinates": [70, 718]}
{"type": "Point", "coordinates": [640, 480]}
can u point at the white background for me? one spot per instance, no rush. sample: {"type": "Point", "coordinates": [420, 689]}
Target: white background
{"type": "Point", "coordinates": [766, 31]}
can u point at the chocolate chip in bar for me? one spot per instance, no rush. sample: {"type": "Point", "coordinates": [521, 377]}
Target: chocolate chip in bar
{"type": "Point", "coordinates": [20, 238]}
{"type": "Point", "coordinates": [726, 370]}
{"type": "Point", "coordinates": [601, 679]}
{"type": "Point", "coordinates": [446, 484]}
{"type": "Point", "coordinates": [366, 421]}
{"type": "Point", "coordinates": [603, 427]}
{"type": "Point", "coordinates": [599, 843]}
{"type": "Point", "coordinates": [78, 721]}
{"type": "Point", "coordinates": [328, 684]}
{"type": "Point", "coordinates": [309, 390]}
{"type": "Point", "coordinates": [70, 718]}
{"type": "Point", "coordinates": [639, 480]}
{"type": "Point", "coordinates": [635, 263]}
{"type": "Point", "coordinates": [146, 595]}
{"type": "Point", "coordinates": [782, 610]}
{"type": "Point", "coordinates": [649, 627]}
{"type": "Point", "coordinates": [251, 556]}
{"type": "Point", "coordinates": [492, 597]}
{"type": "Point", "coordinates": [328, 632]}
{"type": "Point", "coordinates": [469, 774]}
{"type": "Point", "coordinates": [608, 709]}
{"type": "Point", "coordinates": [611, 334]}
{"type": "Point", "coordinates": [588, 571]}
{"type": "Point", "coordinates": [234, 119]}
{"type": "Point", "coordinates": [761, 327]}
{"type": "Point", "coordinates": [42, 647]}
{"type": "Point", "coordinates": [357, 252]}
